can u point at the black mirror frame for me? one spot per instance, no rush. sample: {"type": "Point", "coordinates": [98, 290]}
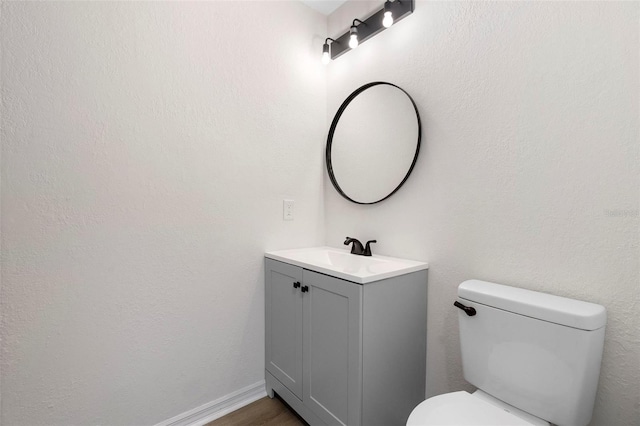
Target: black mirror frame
{"type": "Point", "coordinates": [334, 124]}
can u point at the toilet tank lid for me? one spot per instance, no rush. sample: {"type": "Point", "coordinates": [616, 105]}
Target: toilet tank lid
{"type": "Point", "coordinates": [543, 306]}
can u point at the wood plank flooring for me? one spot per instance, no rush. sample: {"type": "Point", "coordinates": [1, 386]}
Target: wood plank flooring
{"type": "Point", "coordinates": [263, 412]}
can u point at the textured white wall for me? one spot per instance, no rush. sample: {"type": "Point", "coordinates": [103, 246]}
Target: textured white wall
{"type": "Point", "coordinates": [146, 150]}
{"type": "Point", "coordinates": [529, 172]}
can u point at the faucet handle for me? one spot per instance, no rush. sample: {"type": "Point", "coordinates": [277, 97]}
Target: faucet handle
{"type": "Point", "coordinates": [367, 249]}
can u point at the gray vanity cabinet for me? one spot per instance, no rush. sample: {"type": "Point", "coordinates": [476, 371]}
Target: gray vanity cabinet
{"type": "Point", "coordinates": [343, 353]}
{"type": "Point", "coordinates": [313, 325]}
{"type": "Point", "coordinates": [331, 347]}
{"type": "Point", "coordinates": [284, 325]}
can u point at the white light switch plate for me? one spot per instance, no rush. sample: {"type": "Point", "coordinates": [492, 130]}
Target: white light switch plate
{"type": "Point", "coordinates": [287, 209]}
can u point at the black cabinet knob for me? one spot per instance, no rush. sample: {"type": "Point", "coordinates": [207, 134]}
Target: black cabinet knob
{"type": "Point", "coordinates": [296, 284]}
{"type": "Point", "coordinates": [304, 288]}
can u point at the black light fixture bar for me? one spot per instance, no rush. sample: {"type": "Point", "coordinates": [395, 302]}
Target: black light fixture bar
{"type": "Point", "coordinates": [372, 26]}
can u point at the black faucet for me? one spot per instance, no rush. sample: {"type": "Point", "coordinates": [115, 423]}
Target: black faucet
{"type": "Point", "coordinates": [367, 249]}
{"type": "Point", "coordinates": [356, 248]}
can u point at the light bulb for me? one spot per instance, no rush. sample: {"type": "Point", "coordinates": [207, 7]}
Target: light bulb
{"type": "Point", "coordinates": [353, 41]}
{"type": "Point", "coordinates": [387, 21]}
{"type": "Point", "coordinates": [353, 37]}
{"type": "Point", "coordinates": [326, 53]}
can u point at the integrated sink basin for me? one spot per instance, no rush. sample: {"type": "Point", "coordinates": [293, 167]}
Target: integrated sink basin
{"type": "Point", "coordinates": [342, 264]}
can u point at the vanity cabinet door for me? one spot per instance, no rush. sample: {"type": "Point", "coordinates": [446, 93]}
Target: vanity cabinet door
{"type": "Point", "coordinates": [332, 349]}
{"type": "Point", "coordinates": [283, 337]}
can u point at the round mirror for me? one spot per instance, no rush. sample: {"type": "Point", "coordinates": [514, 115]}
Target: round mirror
{"type": "Point", "coordinates": [373, 143]}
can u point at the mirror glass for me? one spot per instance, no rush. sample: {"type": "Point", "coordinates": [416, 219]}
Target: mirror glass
{"type": "Point", "coordinates": [373, 143]}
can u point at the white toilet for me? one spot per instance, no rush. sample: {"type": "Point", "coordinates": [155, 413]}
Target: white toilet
{"type": "Point", "coordinates": [535, 358]}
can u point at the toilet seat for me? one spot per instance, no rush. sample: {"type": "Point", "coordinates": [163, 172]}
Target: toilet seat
{"type": "Point", "coordinates": [462, 408]}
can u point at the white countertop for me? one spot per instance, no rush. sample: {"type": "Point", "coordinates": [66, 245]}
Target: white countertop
{"type": "Point", "coordinates": [342, 264]}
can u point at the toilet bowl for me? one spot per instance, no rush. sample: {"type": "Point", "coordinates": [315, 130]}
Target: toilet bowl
{"type": "Point", "coordinates": [465, 409]}
{"type": "Point", "coordinates": [534, 357]}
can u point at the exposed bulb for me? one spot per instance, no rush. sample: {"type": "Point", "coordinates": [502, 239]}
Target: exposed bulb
{"type": "Point", "coordinates": [353, 41]}
{"type": "Point", "coordinates": [326, 55]}
{"type": "Point", "coordinates": [387, 21]}
{"type": "Point", "coordinates": [353, 37]}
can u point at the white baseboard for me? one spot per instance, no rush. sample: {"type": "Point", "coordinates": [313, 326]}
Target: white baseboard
{"type": "Point", "coordinates": [215, 409]}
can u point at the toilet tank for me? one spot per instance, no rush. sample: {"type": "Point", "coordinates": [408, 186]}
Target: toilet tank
{"type": "Point", "coordinates": [538, 352]}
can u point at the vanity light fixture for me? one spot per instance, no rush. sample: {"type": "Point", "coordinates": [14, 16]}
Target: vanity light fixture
{"type": "Point", "coordinates": [389, 14]}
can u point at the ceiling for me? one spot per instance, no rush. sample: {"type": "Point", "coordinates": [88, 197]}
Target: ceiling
{"type": "Point", "coordinates": [324, 6]}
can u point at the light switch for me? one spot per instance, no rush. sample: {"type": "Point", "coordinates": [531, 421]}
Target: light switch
{"type": "Point", "coordinates": [287, 209]}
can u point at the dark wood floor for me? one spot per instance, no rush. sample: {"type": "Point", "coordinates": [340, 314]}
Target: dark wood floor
{"type": "Point", "coordinates": [263, 412]}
